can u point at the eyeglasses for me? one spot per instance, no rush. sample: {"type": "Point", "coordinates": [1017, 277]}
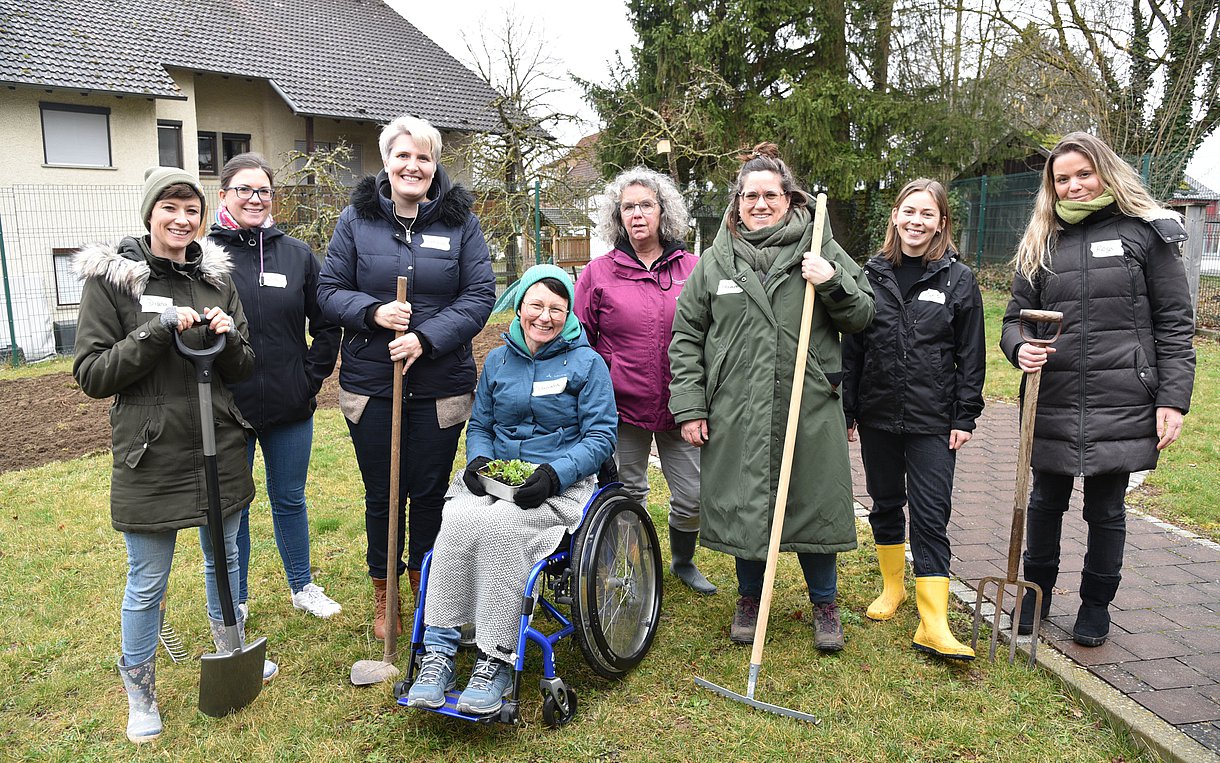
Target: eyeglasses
{"type": "Point", "coordinates": [647, 208]}
{"type": "Point", "coordinates": [246, 192]}
{"type": "Point", "coordinates": [752, 197]}
{"type": "Point", "coordinates": [536, 309]}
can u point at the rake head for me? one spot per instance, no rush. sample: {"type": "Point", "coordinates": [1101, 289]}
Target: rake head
{"type": "Point", "coordinates": [1001, 586]}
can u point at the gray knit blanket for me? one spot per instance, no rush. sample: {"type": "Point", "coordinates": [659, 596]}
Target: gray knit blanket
{"type": "Point", "coordinates": [483, 554]}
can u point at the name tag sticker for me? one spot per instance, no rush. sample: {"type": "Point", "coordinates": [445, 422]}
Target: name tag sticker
{"type": "Point", "coordinates": [550, 387]}
{"type": "Point", "coordinates": [1112, 248]}
{"type": "Point", "coordinates": [149, 304]}
{"type": "Point", "coordinates": [727, 286]}
{"type": "Point", "coordinates": [932, 295]}
{"type": "Point", "coordinates": [278, 280]}
{"type": "Point", "coordinates": [435, 242]}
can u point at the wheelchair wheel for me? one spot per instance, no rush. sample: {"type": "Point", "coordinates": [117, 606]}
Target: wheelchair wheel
{"type": "Point", "coordinates": [616, 604]}
{"type": "Point", "coordinates": [556, 714]}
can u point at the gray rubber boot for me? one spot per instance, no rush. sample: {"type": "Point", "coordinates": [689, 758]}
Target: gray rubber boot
{"type": "Point", "coordinates": [143, 715]}
{"type": "Point", "coordinates": [682, 549]}
{"type": "Point", "coordinates": [270, 669]}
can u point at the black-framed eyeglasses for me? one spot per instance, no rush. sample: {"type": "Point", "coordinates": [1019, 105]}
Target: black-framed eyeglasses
{"type": "Point", "coordinates": [752, 197]}
{"type": "Point", "coordinates": [246, 192]}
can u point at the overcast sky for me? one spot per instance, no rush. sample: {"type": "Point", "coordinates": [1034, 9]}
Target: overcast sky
{"type": "Point", "coordinates": [586, 36]}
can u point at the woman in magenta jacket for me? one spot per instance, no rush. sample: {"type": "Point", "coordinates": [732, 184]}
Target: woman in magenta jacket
{"type": "Point", "coordinates": [626, 301]}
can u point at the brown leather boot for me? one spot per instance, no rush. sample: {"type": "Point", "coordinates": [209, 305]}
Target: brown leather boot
{"type": "Point", "coordinates": [413, 575]}
{"type": "Point", "coordinates": [379, 607]}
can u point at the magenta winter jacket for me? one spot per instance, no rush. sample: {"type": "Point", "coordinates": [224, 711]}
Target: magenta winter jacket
{"type": "Point", "coordinates": [628, 313]}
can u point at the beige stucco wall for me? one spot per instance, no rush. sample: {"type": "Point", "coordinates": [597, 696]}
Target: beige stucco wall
{"type": "Point", "coordinates": [133, 138]}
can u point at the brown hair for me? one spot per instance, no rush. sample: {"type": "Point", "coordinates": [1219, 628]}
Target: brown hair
{"type": "Point", "coordinates": [943, 241]}
{"type": "Point", "coordinates": [764, 157]}
{"type": "Point", "coordinates": [246, 161]}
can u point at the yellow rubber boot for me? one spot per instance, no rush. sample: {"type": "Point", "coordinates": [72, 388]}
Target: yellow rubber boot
{"type": "Point", "coordinates": [893, 563]}
{"type": "Point", "coordinates": [933, 635]}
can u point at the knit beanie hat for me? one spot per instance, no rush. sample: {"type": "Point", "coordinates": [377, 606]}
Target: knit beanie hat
{"type": "Point", "coordinates": [156, 180]}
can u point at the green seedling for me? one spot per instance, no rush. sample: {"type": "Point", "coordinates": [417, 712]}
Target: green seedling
{"type": "Point", "coordinates": [512, 473]}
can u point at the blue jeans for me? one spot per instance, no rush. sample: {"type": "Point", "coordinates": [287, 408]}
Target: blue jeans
{"type": "Point", "coordinates": [286, 450]}
{"type": "Point", "coordinates": [149, 556]}
{"type": "Point", "coordinates": [821, 575]}
{"type": "Point", "coordinates": [425, 463]}
{"type": "Point", "coordinates": [915, 470]}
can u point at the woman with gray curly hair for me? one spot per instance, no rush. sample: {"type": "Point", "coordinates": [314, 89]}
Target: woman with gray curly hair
{"type": "Point", "coordinates": [626, 301]}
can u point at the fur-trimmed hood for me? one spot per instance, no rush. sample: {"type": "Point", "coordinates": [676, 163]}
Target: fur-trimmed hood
{"type": "Point", "coordinates": [447, 203]}
{"type": "Point", "coordinates": [125, 264]}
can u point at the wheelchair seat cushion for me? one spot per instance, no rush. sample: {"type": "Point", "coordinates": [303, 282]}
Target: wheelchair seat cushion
{"type": "Point", "coordinates": [483, 555]}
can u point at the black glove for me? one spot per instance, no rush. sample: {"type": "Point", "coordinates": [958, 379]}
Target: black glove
{"type": "Point", "coordinates": [471, 475]}
{"type": "Point", "coordinates": [608, 473]}
{"type": "Point", "coordinates": [541, 485]}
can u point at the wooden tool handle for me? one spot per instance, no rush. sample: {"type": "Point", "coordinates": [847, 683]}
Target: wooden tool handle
{"type": "Point", "coordinates": [391, 564]}
{"type": "Point", "coordinates": [1025, 450]}
{"type": "Point", "coordinates": [1041, 316]}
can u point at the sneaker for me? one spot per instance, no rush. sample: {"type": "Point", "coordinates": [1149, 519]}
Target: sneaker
{"type": "Point", "coordinates": [490, 682]}
{"type": "Point", "coordinates": [315, 602]}
{"type": "Point", "coordinates": [745, 619]}
{"type": "Point", "coordinates": [434, 679]}
{"type": "Point", "coordinates": [243, 611]}
{"type": "Point", "coordinates": [827, 630]}
{"type": "Point", "coordinates": [468, 636]}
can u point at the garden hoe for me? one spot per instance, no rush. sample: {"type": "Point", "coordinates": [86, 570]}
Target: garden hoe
{"type": "Point", "coordinates": [369, 672]}
{"type": "Point", "coordinates": [227, 682]}
{"type": "Point", "coordinates": [1016, 537]}
{"type": "Point", "coordinates": [781, 500]}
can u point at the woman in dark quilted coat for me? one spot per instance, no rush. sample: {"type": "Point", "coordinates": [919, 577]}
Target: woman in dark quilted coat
{"type": "Point", "coordinates": [1116, 385]}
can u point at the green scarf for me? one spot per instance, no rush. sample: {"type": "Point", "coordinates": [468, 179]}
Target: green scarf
{"type": "Point", "coordinates": [1073, 212]}
{"type": "Point", "coordinates": [762, 248]}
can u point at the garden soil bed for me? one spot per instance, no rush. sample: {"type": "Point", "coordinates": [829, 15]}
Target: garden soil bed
{"type": "Point", "coordinates": [48, 418]}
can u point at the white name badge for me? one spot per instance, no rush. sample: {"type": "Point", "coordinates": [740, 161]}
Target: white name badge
{"type": "Point", "coordinates": [727, 286]}
{"type": "Point", "coordinates": [435, 242]}
{"type": "Point", "coordinates": [932, 295]}
{"type": "Point", "coordinates": [1112, 248]}
{"type": "Point", "coordinates": [550, 387]}
{"type": "Point", "coordinates": [278, 280]}
{"type": "Point", "coordinates": [149, 304]}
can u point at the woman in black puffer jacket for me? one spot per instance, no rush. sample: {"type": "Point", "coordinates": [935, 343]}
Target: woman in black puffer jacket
{"type": "Point", "coordinates": [913, 386]}
{"type": "Point", "coordinates": [1117, 383]}
{"type": "Point", "coordinates": [408, 221]}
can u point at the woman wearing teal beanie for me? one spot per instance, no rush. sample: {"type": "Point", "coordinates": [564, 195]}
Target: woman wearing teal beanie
{"type": "Point", "coordinates": [544, 397]}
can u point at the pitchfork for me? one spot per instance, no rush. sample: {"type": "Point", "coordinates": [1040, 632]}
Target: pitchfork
{"type": "Point", "coordinates": [1016, 538]}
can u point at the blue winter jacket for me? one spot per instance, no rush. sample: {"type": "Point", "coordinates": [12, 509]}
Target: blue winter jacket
{"type": "Point", "coordinates": [451, 287]}
{"type": "Point", "coordinates": [554, 408]}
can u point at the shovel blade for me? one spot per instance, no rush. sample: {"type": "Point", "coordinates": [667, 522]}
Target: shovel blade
{"type": "Point", "coordinates": [369, 672]}
{"type": "Point", "coordinates": [229, 682]}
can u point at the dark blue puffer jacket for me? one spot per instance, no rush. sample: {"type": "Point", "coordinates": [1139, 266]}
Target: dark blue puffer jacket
{"type": "Point", "coordinates": [451, 289]}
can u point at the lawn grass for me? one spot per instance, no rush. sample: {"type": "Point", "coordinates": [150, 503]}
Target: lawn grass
{"type": "Point", "coordinates": [41, 368]}
{"type": "Point", "coordinates": [62, 574]}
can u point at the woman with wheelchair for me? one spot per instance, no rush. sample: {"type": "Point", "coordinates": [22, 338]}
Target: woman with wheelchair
{"type": "Point", "coordinates": [544, 397]}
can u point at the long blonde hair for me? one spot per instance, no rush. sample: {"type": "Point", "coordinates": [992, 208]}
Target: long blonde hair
{"type": "Point", "coordinates": [1117, 177]}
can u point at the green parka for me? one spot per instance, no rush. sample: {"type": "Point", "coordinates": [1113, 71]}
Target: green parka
{"type": "Point", "coordinates": [733, 353]}
{"type": "Point", "coordinates": [157, 482]}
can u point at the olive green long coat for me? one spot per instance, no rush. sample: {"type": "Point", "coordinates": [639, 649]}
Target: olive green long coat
{"type": "Point", "coordinates": [732, 354]}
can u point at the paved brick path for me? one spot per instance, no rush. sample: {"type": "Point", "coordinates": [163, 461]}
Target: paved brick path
{"type": "Point", "coordinates": [1164, 645]}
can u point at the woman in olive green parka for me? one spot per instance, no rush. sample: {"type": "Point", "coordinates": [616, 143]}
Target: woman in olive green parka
{"type": "Point", "coordinates": [733, 353]}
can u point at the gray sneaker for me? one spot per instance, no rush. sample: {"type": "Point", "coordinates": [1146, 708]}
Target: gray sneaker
{"type": "Point", "coordinates": [827, 630]}
{"type": "Point", "coordinates": [490, 681]}
{"type": "Point", "coordinates": [745, 620]}
{"type": "Point", "coordinates": [434, 679]}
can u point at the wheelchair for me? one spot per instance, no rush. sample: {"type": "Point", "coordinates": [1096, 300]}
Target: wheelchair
{"type": "Point", "coordinates": [607, 574]}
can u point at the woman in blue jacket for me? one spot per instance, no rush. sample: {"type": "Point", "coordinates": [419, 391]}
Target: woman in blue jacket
{"type": "Point", "coordinates": [913, 387]}
{"type": "Point", "coordinates": [544, 397]}
{"type": "Point", "coordinates": [407, 221]}
{"type": "Point", "coordinates": [277, 278]}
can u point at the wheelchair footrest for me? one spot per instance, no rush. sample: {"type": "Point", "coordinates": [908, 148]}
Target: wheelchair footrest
{"type": "Point", "coordinates": [450, 709]}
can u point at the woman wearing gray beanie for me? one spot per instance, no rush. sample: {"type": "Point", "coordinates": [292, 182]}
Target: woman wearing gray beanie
{"type": "Point", "coordinates": [136, 295]}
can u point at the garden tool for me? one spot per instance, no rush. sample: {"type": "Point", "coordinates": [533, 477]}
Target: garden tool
{"type": "Point", "coordinates": [369, 672]}
{"type": "Point", "coordinates": [781, 499]}
{"type": "Point", "coordinates": [229, 681]}
{"type": "Point", "coordinates": [170, 638]}
{"type": "Point", "coordinates": [1016, 538]}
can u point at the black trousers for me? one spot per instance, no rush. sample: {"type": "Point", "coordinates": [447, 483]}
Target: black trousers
{"type": "Point", "coordinates": [425, 466]}
{"type": "Point", "coordinates": [1104, 511]}
{"type": "Point", "coordinates": [914, 470]}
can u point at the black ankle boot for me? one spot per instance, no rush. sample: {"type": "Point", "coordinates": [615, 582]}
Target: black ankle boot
{"type": "Point", "coordinates": [1044, 575]}
{"type": "Point", "coordinates": [1092, 626]}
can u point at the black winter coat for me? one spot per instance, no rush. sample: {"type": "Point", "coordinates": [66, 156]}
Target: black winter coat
{"type": "Point", "coordinates": [1126, 344]}
{"type": "Point", "coordinates": [277, 278]}
{"type": "Point", "coordinates": [919, 367]}
{"type": "Point", "coordinates": [451, 291]}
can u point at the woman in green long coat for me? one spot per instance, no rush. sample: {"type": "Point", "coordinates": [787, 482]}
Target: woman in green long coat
{"type": "Point", "coordinates": [732, 353]}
